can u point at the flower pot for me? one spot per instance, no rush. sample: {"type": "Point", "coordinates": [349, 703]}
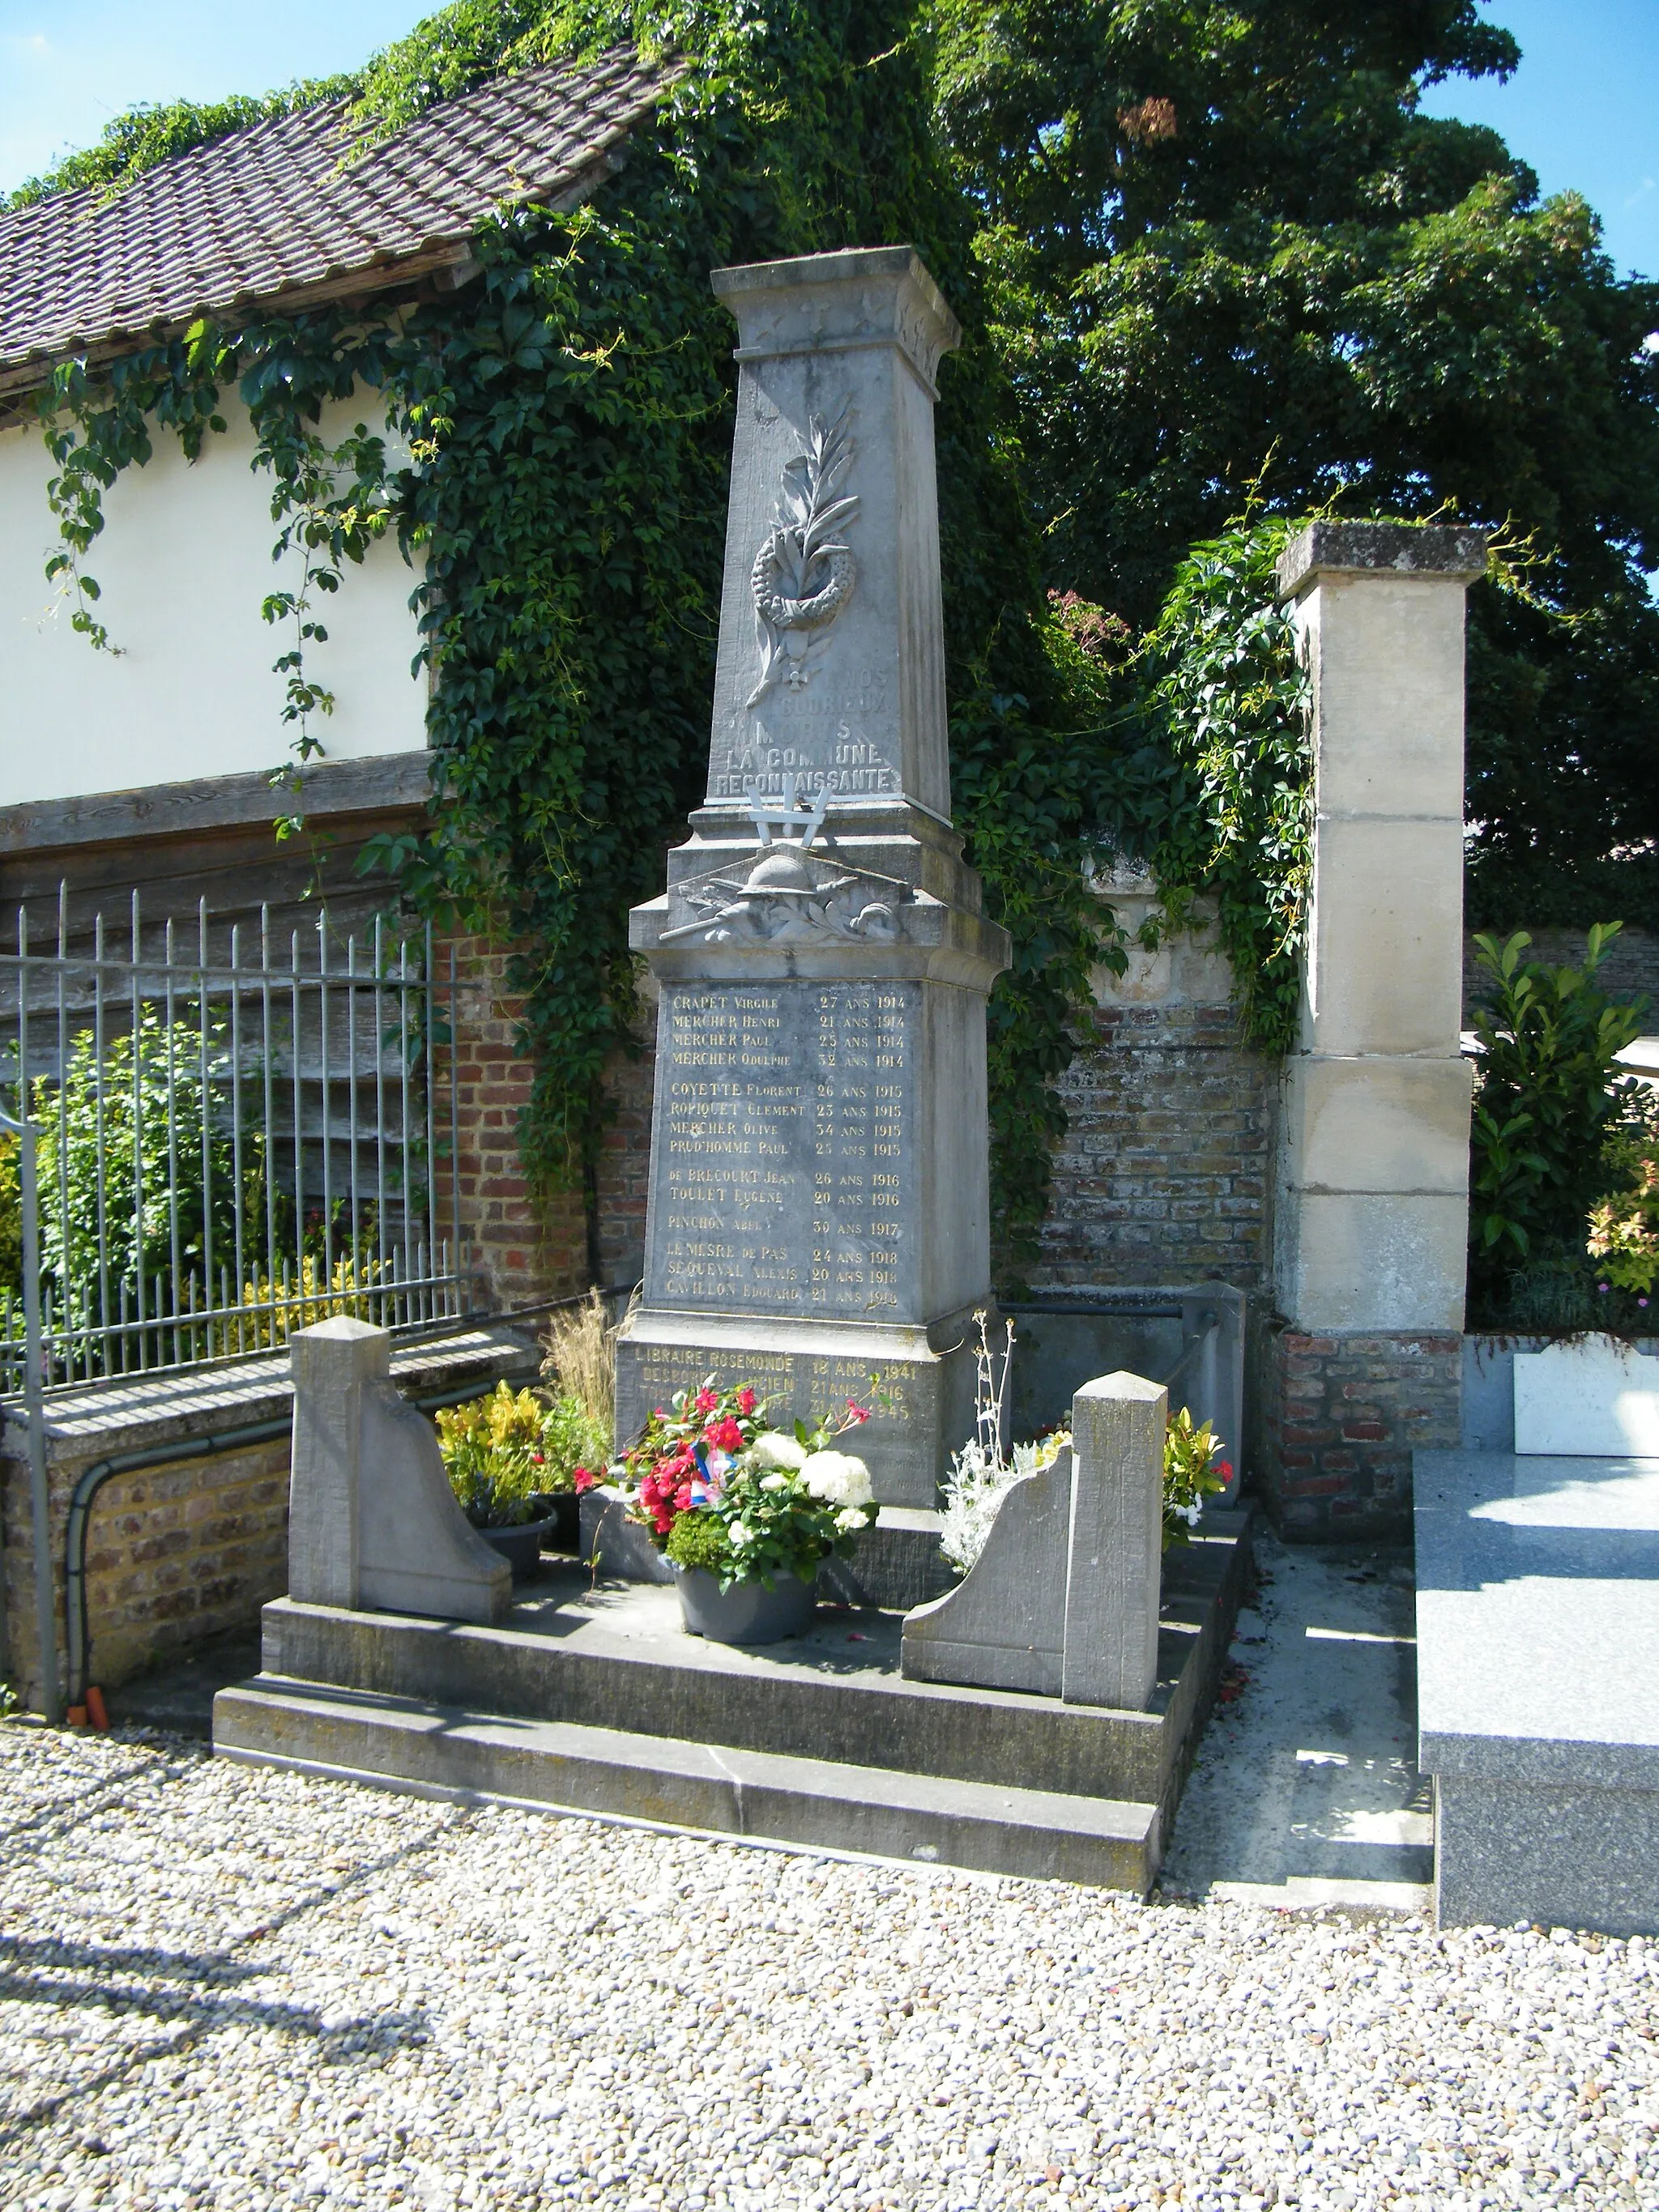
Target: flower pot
{"type": "Point", "coordinates": [521, 1548]}
{"type": "Point", "coordinates": [748, 1613]}
{"type": "Point", "coordinates": [562, 1510]}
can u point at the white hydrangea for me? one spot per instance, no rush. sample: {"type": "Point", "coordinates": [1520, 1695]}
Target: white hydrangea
{"type": "Point", "coordinates": [775, 1482]}
{"type": "Point", "coordinates": [772, 1448]}
{"type": "Point", "coordinates": [740, 1532]}
{"type": "Point", "coordinates": [851, 1517]}
{"type": "Point", "coordinates": [837, 1478]}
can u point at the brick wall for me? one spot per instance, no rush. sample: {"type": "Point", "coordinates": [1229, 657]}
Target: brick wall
{"type": "Point", "coordinates": [525, 1248]}
{"type": "Point", "coordinates": [1164, 1172]}
{"type": "Point", "coordinates": [1341, 1416]}
{"type": "Point", "coordinates": [176, 1553]}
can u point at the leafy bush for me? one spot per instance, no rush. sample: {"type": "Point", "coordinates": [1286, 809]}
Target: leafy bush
{"type": "Point", "coordinates": [12, 1211]}
{"type": "Point", "coordinates": [1550, 1095]}
{"type": "Point", "coordinates": [573, 1443]}
{"type": "Point", "coordinates": [1623, 1235]}
{"type": "Point", "coordinates": [491, 1450]}
{"type": "Point", "coordinates": [151, 1099]}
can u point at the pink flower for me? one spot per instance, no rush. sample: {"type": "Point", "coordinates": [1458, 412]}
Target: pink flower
{"type": "Point", "coordinates": [1224, 1469]}
{"type": "Point", "coordinates": [746, 1402]}
{"type": "Point", "coordinates": [857, 1412]}
{"type": "Point", "coordinates": [725, 1435]}
{"type": "Point", "coordinates": [682, 1498]}
{"type": "Point", "coordinates": [584, 1479]}
{"type": "Point", "coordinates": [707, 1401]}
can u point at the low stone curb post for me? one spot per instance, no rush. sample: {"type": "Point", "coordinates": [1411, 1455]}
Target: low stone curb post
{"type": "Point", "coordinates": [1064, 1600]}
{"type": "Point", "coordinates": [1116, 1543]}
{"type": "Point", "coordinates": [373, 1522]}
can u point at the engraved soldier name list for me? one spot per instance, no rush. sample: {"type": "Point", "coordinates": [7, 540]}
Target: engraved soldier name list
{"type": "Point", "coordinates": [788, 1112]}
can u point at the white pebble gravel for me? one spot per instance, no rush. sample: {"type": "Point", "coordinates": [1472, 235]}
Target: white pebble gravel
{"type": "Point", "coordinates": [228, 1988]}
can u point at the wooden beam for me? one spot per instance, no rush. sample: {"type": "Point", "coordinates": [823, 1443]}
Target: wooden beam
{"type": "Point", "coordinates": [330, 791]}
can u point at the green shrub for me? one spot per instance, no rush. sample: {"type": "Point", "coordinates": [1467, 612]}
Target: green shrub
{"type": "Point", "coordinates": [1549, 1097]}
{"type": "Point", "coordinates": [12, 1211]}
{"type": "Point", "coordinates": [572, 1436]}
{"type": "Point", "coordinates": [697, 1540]}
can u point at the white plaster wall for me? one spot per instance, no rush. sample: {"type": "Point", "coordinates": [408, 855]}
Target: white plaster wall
{"type": "Point", "coordinates": [184, 562]}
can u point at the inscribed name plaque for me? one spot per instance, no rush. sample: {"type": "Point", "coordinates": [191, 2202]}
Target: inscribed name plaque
{"type": "Point", "coordinates": [818, 1213]}
{"type": "Point", "coordinates": [789, 1122]}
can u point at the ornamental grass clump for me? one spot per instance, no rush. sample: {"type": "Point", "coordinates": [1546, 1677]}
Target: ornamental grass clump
{"type": "Point", "coordinates": [723, 1493]}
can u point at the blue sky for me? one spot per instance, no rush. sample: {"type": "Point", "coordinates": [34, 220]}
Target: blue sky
{"type": "Point", "coordinates": [1582, 109]}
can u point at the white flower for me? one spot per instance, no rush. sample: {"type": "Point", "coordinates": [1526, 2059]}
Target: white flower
{"type": "Point", "coordinates": [775, 1482]}
{"type": "Point", "coordinates": [851, 1517]}
{"type": "Point", "coordinates": [837, 1477]}
{"type": "Point", "coordinates": [772, 1449]}
{"type": "Point", "coordinates": [740, 1532]}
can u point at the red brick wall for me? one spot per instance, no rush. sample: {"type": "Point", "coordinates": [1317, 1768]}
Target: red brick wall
{"type": "Point", "coordinates": [1340, 1418]}
{"type": "Point", "coordinates": [524, 1247]}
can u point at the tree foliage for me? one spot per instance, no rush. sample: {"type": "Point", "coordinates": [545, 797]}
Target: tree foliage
{"type": "Point", "coordinates": [1225, 245]}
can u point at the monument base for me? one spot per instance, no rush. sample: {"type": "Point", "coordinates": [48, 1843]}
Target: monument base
{"type": "Point", "coordinates": [922, 1404]}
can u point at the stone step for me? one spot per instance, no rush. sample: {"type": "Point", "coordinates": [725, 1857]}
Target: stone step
{"type": "Point", "coordinates": [441, 1751]}
{"type": "Point", "coordinates": [614, 1656]}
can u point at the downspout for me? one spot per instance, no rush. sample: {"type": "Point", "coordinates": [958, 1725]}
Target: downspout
{"type": "Point", "coordinates": [93, 1479]}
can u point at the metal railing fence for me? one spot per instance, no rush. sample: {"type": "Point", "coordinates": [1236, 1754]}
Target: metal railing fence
{"type": "Point", "coordinates": [235, 1139]}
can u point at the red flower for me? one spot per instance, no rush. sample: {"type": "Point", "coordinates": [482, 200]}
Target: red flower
{"type": "Point", "coordinates": [745, 1403]}
{"type": "Point", "coordinates": [584, 1479]}
{"type": "Point", "coordinates": [1224, 1469]}
{"type": "Point", "coordinates": [857, 1412]}
{"type": "Point", "coordinates": [682, 1498]}
{"type": "Point", "coordinates": [707, 1401]}
{"type": "Point", "coordinates": [727, 1435]}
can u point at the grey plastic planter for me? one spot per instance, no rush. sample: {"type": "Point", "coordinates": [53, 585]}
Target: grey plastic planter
{"type": "Point", "coordinates": [521, 1548]}
{"type": "Point", "coordinates": [748, 1613]}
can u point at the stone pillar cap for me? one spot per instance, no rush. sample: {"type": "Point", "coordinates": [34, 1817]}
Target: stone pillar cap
{"type": "Point", "coordinates": [832, 302]}
{"type": "Point", "coordinates": [1401, 548]}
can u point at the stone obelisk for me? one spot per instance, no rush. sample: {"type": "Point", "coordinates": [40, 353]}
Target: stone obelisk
{"type": "Point", "coordinates": [818, 1201]}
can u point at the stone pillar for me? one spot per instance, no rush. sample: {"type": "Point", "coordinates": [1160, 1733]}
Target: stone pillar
{"type": "Point", "coordinates": [819, 1207]}
{"type": "Point", "coordinates": [1371, 1202]}
{"type": "Point", "coordinates": [1116, 1551]}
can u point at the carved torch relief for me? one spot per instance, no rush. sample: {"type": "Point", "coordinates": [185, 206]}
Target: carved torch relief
{"type": "Point", "coordinates": [802, 576]}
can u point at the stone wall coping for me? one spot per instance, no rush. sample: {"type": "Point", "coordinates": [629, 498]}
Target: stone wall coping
{"type": "Point", "coordinates": [1408, 549]}
{"type": "Point", "coordinates": [186, 1402]}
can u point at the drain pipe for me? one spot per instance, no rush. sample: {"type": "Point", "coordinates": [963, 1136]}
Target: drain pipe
{"type": "Point", "coordinates": [45, 1610]}
{"type": "Point", "coordinates": [78, 1633]}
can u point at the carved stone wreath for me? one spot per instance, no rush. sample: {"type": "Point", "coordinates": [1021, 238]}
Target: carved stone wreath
{"type": "Point", "coordinates": [803, 576]}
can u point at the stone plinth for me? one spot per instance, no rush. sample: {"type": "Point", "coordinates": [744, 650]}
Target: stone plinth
{"type": "Point", "coordinates": [1537, 1635]}
{"type": "Point", "coordinates": [1371, 1199]}
{"type": "Point", "coordinates": [819, 1211]}
{"type": "Point", "coordinates": [371, 1519]}
{"type": "Point", "coordinates": [1063, 1601]}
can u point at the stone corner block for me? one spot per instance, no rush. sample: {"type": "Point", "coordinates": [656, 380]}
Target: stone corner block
{"type": "Point", "coordinates": [373, 1521]}
{"type": "Point", "coordinates": [1418, 549]}
{"type": "Point", "coordinates": [1116, 1567]}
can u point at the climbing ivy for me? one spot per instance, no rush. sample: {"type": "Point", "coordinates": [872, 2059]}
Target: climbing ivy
{"type": "Point", "coordinates": [555, 441]}
{"type": "Point", "coordinates": [1224, 685]}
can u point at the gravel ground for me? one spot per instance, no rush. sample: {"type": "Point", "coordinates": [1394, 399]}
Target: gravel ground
{"type": "Point", "coordinates": [229, 1988]}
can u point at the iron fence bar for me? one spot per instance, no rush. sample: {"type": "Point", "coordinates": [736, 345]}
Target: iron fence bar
{"type": "Point", "coordinates": [203, 1106]}
{"type": "Point", "coordinates": [455, 1117]}
{"type": "Point", "coordinates": [97, 1082]}
{"type": "Point", "coordinates": [237, 1166]}
{"type": "Point", "coordinates": [325, 1087]}
{"type": "Point", "coordinates": [174, 1246]}
{"type": "Point", "coordinates": [354, 1244]}
{"type": "Point", "coordinates": [137, 1125]}
{"type": "Point", "coordinates": [45, 1610]}
{"type": "Point", "coordinates": [403, 1123]}
{"type": "Point", "coordinates": [267, 1054]}
{"type": "Point", "coordinates": [380, 1110]}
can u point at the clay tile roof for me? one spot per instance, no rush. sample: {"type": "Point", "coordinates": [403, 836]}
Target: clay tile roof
{"type": "Point", "coordinates": [279, 209]}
